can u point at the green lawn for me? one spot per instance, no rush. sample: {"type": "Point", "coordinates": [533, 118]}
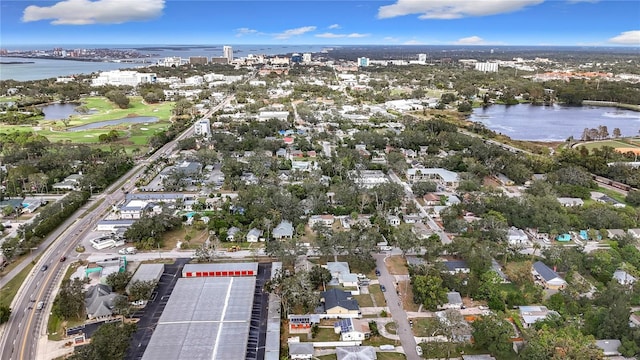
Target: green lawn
{"type": "Point", "coordinates": [612, 194]}
{"type": "Point", "coordinates": [612, 143]}
{"type": "Point", "coordinates": [390, 356]}
{"type": "Point", "coordinates": [424, 327]}
{"type": "Point", "coordinates": [324, 334]}
{"type": "Point", "coordinates": [364, 300]}
{"type": "Point", "coordinates": [391, 327]}
{"type": "Point", "coordinates": [9, 291]}
{"type": "Point", "coordinates": [377, 294]}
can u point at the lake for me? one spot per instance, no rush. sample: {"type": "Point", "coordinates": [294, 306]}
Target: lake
{"type": "Point", "coordinates": [129, 120]}
{"type": "Point", "coordinates": [59, 111]}
{"type": "Point", "coordinates": [554, 123]}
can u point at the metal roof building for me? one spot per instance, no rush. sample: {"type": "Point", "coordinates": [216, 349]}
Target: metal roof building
{"type": "Point", "coordinates": [147, 272]}
{"type": "Point", "coordinates": [222, 269]}
{"type": "Point", "coordinates": [205, 318]}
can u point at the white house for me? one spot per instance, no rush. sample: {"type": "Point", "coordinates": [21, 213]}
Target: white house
{"type": "Point", "coordinates": [231, 233]}
{"type": "Point", "coordinates": [570, 202]}
{"type": "Point", "coordinates": [444, 177]}
{"type": "Point", "coordinates": [454, 301]}
{"type": "Point", "coordinates": [352, 329]}
{"type": "Point", "coordinates": [517, 236]}
{"type": "Point", "coordinates": [284, 230]}
{"type": "Point", "coordinates": [368, 178]}
{"type": "Point", "coordinates": [623, 277]}
{"type": "Point", "coordinates": [549, 278]}
{"type": "Point", "coordinates": [326, 220]}
{"type": "Point", "coordinates": [300, 350]}
{"type": "Point", "coordinates": [393, 220]}
{"type": "Point", "coordinates": [202, 128]}
{"type": "Point", "coordinates": [531, 314]}
{"type": "Point", "coordinates": [254, 235]}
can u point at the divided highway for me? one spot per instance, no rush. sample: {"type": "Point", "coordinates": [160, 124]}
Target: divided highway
{"type": "Point", "coordinates": [27, 325]}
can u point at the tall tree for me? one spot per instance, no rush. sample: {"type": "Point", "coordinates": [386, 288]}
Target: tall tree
{"type": "Point", "coordinates": [428, 291]}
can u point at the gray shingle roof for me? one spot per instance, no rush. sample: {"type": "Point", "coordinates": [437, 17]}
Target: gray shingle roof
{"type": "Point", "coordinates": [337, 297]}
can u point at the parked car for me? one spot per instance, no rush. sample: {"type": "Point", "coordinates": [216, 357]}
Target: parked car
{"type": "Point", "coordinates": [377, 272]}
{"type": "Point", "coordinates": [40, 305]}
{"type": "Point", "coordinates": [63, 259]}
{"type": "Point", "coordinates": [44, 267]}
{"type": "Point", "coordinates": [383, 288]}
{"type": "Point", "coordinates": [419, 350]}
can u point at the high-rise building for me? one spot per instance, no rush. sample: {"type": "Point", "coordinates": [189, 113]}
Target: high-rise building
{"type": "Point", "coordinates": [363, 62]}
{"type": "Point", "coordinates": [227, 52]}
{"type": "Point", "coordinates": [306, 57]}
{"type": "Point", "coordinates": [296, 58]}
{"type": "Point", "coordinates": [422, 58]}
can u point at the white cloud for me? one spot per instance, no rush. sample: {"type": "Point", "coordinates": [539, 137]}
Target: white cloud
{"type": "Point", "coordinates": [452, 9]}
{"type": "Point", "coordinates": [390, 39]}
{"type": "Point", "coordinates": [471, 40]}
{"type": "Point", "coordinates": [246, 31]}
{"type": "Point", "coordinates": [329, 35]}
{"type": "Point", "coordinates": [627, 38]}
{"type": "Point", "coordinates": [413, 42]}
{"type": "Point", "coordinates": [84, 12]}
{"type": "Point", "coordinates": [334, 26]}
{"type": "Point", "coordinates": [294, 32]}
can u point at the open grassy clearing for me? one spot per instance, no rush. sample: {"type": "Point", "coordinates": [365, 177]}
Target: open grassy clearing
{"type": "Point", "coordinates": [612, 143]}
{"type": "Point", "coordinates": [397, 265]}
{"type": "Point", "coordinates": [364, 300]}
{"type": "Point", "coordinates": [106, 110]}
{"type": "Point", "coordinates": [377, 294]}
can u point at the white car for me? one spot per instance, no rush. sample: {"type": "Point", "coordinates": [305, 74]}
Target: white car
{"type": "Point", "coordinates": [419, 350]}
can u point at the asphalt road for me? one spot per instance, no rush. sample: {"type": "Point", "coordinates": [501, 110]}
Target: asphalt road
{"type": "Point", "coordinates": [395, 308]}
{"type": "Point", "coordinates": [26, 326]}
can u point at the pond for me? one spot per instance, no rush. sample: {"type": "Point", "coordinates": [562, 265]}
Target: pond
{"type": "Point", "coordinates": [59, 111]}
{"type": "Point", "coordinates": [556, 122]}
{"type": "Point", "coordinates": [101, 124]}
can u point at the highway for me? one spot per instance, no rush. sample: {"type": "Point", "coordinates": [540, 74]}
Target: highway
{"type": "Point", "coordinates": [27, 326]}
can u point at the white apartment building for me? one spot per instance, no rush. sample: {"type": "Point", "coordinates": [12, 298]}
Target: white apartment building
{"type": "Point", "coordinates": [306, 57]}
{"type": "Point", "coordinates": [202, 128]}
{"type": "Point", "coordinates": [486, 67]}
{"type": "Point", "coordinates": [422, 58]}
{"type": "Point", "coordinates": [118, 78]}
{"type": "Point", "coordinates": [171, 61]}
{"type": "Point", "coordinates": [363, 61]}
{"type": "Point", "coordinates": [227, 52]}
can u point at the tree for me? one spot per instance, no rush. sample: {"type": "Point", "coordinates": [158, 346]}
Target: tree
{"type": "Point", "coordinates": [109, 342]}
{"type": "Point", "coordinates": [319, 276]}
{"type": "Point", "coordinates": [617, 133]}
{"type": "Point", "coordinates": [5, 313]}
{"type": "Point", "coordinates": [422, 188]}
{"type": "Point", "coordinates": [119, 98]}
{"type": "Point", "coordinates": [560, 344]}
{"type": "Point", "coordinates": [119, 280]}
{"type": "Point", "coordinates": [69, 304]}
{"type": "Point", "coordinates": [493, 333]}
{"type": "Point", "coordinates": [428, 291]}
{"type": "Point", "coordinates": [141, 290]}
{"type": "Point", "coordinates": [404, 238]}
{"type": "Point", "coordinates": [633, 198]}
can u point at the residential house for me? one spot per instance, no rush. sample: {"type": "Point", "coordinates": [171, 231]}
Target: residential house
{"type": "Point", "coordinates": [99, 301]}
{"type": "Point", "coordinates": [421, 230]}
{"type": "Point", "coordinates": [356, 353]}
{"type": "Point", "coordinates": [71, 182]}
{"type": "Point", "coordinates": [254, 235]}
{"type": "Point", "coordinates": [452, 200]}
{"type": "Point", "coordinates": [337, 268]}
{"type": "Point", "coordinates": [635, 233]}
{"type": "Point", "coordinates": [284, 230]}
{"type": "Point", "coordinates": [609, 347]}
{"type": "Point", "coordinates": [457, 267]}
{"type": "Point", "coordinates": [531, 314]}
{"type": "Point", "coordinates": [301, 324]}
{"type": "Point", "coordinates": [352, 329]}
{"type": "Point", "coordinates": [517, 236]}
{"type": "Point", "coordinates": [393, 220]}
{"type": "Point", "coordinates": [339, 303]}
{"type": "Point", "coordinates": [547, 277]}
{"type": "Point", "coordinates": [231, 233]}
{"type": "Point", "coordinates": [326, 220]}
{"type": "Point", "coordinates": [623, 277]}
{"type": "Point", "coordinates": [454, 301]}
{"type": "Point", "coordinates": [504, 180]}
{"type": "Point", "coordinates": [411, 218]}
{"type": "Point", "coordinates": [300, 350]}
{"type": "Point", "coordinates": [570, 202]}
{"type": "Point", "coordinates": [615, 233]}
{"type": "Point", "coordinates": [368, 178]}
{"type": "Point", "coordinates": [431, 199]}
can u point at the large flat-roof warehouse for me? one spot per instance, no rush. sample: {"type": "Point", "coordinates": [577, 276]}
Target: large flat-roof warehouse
{"type": "Point", "coordinates": [205, 318]}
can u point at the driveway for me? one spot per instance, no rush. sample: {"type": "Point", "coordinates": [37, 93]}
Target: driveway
{"type": "Point", "coordinates": [399, 315]}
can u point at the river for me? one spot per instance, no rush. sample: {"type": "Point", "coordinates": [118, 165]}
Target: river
{"type": "Point", "coordinates": [554, 123]}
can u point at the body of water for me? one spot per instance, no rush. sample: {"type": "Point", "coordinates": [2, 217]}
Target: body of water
{"type": "Point", "coordinates": [58, 111]}
{"type": "Point", "coordinates": [554, 123]}
{"type": "Point", "coordinates": [129, 120]}
{"type": "Point", "coordinates": [50, 68]}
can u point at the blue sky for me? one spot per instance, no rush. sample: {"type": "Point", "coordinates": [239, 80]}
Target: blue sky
{"type": "Point", "coordinates": [344, 22]}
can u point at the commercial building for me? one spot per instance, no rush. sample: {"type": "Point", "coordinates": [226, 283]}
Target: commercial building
{"type": "Point", "coordinates": [206, 317]}
{"type": "Point", "coordinates": [486, 67]}
{"type": "Point", "coordinates": [363, 62]}
{"type": "Point", "coordinates": [200, 60]}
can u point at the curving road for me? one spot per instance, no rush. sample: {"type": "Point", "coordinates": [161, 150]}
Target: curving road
{"type": "Point", "coordinates": [27, 325]}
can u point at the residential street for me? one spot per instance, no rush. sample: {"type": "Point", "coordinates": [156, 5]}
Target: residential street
{"type": "Point", "coordinates": [399, 315]}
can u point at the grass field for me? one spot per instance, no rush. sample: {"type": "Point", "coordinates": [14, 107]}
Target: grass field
{"type": "Point", "coordinates": [131, 135]}
{"type": "Point", "coordinates": [612, 143]}
{"type": "Point", "coordinates": [9, 291]}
